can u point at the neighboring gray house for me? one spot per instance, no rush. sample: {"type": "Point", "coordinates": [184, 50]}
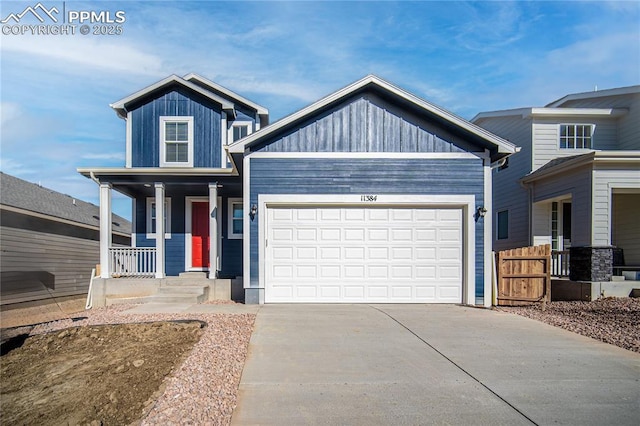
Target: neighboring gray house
{"type": "Point", "coordinates": [576, 181]}
{"type": "Point", "coordinates": [49, 242]}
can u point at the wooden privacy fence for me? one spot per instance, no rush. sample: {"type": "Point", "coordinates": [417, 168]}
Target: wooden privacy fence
{"type": "Point", "coordinates": [524, 276]}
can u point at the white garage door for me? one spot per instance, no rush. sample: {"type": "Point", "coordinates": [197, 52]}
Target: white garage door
{"type": "Point", "coordinates": [354, 254]}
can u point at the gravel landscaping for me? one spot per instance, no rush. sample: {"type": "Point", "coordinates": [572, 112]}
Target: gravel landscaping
{"type": "Point", "coordinates": [203, 389]}
{"type": "Point", "coordinates": [613, 320]}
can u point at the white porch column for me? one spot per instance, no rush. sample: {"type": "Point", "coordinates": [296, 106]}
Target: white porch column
{"type": "Point", "coordinates": [105, 228]}
{"type": "Point", "coordinates": [213, 230]}
{"type": "Point", "coordinates": [160, 231]}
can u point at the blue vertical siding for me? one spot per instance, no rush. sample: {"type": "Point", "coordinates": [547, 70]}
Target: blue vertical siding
{"type": "Point", "coordinates": [366, 124]}
{"type": "Point", "coordinates": [368, 176]}
{"type": "Point", "coordinates": [145, 143]}
{"type": "Point", "coordinates": [175, 246]}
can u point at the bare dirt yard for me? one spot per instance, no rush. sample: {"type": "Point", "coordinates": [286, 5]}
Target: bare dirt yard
{"type": "Point", "coordinates": [613, 320]}
{"type": "Point", "coordinates": [113, 368]}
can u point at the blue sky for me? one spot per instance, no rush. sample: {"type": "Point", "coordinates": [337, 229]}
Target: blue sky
{"type": "Point", "coordinates": [466, 57]}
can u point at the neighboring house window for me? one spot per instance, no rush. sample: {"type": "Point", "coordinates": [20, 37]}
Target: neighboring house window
{"type": "Point", "coordinates": [503, 225]}
{"type": "Point", "coordinates": [176, 141]}
{"type": "Point", "coordinates": [575, 136]}
{"type": "Point", "coordinates": [554, 226]}
{"type": "Point", "coordinates": [235, 218]}
{"type": "Point", "coordinates": [151, 218]}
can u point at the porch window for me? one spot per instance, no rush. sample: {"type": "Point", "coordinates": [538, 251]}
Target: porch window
{"type": "Point", "coordinates": [235, 218]}
{"type": "Point", "coordinates": [575, 136]}
{"type": "Point", "coordinates": [176, 141]}
{"type": "Point", "coordinates": [151, 218]}
{"type": "Point", "coordinates": [502, 230]}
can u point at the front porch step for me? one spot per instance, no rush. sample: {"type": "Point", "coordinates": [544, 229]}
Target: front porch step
{"type": "Point", "coordinates": [183, 289]}
{"type": "Point", "coordinates": [193, 274]}
{"type": "Point", "coordinates": [186, 281]}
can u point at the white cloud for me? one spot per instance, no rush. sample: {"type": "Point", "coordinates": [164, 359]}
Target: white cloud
{"type": "Point", "coordinates": [87, 52]}
{"type": "Point", "coordinates": [9, 111]}
{"type": "Point", "coordinates": [105, 156]}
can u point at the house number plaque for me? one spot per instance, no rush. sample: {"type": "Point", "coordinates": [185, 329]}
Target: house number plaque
{"type": "Point", "coordinates": [369, 198]}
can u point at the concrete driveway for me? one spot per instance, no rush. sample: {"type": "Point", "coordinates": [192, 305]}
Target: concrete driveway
{"type": "Point", "coordinates": [429, 364]}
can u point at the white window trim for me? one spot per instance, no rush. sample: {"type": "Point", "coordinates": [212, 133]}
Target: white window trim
{"type": "Point", "coordinates": [165, 119]}
{"type": "Point", "coordinates": [230, 233]}
{"type": "Point", "coordinates": [229, 141]}
{"type": "Point", "coordinates": [593, 128]}
{"type": "Point", "coordinates": [167, 213]}
{"type": "Point", "coordinates": [239, 123]}
{"type": "Point", "coordinates": [498, 224]}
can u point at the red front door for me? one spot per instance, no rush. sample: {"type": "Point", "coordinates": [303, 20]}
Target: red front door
{"type": "Point", "coordinates": [200, 235]}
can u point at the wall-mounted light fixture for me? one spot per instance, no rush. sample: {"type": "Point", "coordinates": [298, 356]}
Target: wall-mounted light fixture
{"type": "Point", "coordinates": [253, 212]}
{"type": "Point", "coordinates": [481, 211]}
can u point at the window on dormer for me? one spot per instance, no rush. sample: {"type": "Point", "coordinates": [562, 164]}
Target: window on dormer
{"type": "Point", "coordinates": [176, 141]}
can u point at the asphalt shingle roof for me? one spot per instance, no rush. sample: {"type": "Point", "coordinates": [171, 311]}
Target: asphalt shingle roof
{"type": "Point", "coordinates": [29, 196]}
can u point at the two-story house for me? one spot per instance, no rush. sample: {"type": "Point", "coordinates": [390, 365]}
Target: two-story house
{"type": "Point", "coordinates": [370, 194]}
{"type": "Point", "coordinates": [575, 184]}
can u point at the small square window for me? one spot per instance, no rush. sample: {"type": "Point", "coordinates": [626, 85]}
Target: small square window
{"type": "Point", "coordinates": [235, 218]}
{"type": "Point", "coordinates": [502, 230]}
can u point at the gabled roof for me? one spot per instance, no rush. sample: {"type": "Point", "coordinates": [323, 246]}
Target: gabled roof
{"type": "Point", "coordinates": [26, 197]}
{"type": "Point", "coordinates": [121, 106]}
{"type": "Point", "coordinates": [595, 94]}
{"type": "Point", "coordinates": [502, 146]}
{"type": "Point", "coordinates": [215, 87]}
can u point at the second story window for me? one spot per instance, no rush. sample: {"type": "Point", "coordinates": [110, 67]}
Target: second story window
{"type": "Point", "coordinates": [575, 136]}
{"type": "Point", "coordinates": [176, 141]}
{"type": "Point", "coordinates": [239, 129]}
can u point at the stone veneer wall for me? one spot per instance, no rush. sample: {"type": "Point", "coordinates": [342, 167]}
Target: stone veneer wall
{"type": "Point", "coordinates": [591, 263]}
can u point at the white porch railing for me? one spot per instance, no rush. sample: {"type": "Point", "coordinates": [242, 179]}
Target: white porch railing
{"type": "Point", "coordinates": [132, 262]}
{"type": "Point", "coordinates": [560, 263]}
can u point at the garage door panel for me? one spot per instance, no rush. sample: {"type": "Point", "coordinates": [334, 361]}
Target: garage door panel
{"type": "Point", "coordinates": [354, 291]}
{"type": "Point", "coordinates": [351, 234]}
{"type": "Point", "coordinates": [364, 255]}
{"type": "Point", "coordinates": [354, 253]}
{"type": "Point", "coordinates": [282, 234]}
{"type": "Point", "coordinates": [378, 235]}
{"type": "Point", "coordinates": [378, 272]}
{"type": "Point", "coordinates": [306, 215]}
{"type": "Point", "coordinates": [329, 253]}
{"type": "Point", "coordinates": [330, 234]}
{"type": "Point", "coordinates": [330, 271]}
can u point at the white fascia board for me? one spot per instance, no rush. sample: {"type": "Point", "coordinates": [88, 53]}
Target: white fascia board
{"type": "Point", "coordinates": [578, 112]}
{"type": "Point", "coordinates": [214, 86]}
{"type": "Point", "coordinates": [121, 104]}
{"type": "Point", "coordinates": [596, 94]}
{"type": "Point", "coordinates": [370, 155]}
{"type": "Point", "coordinates": [503, 145]}
{"type": "Point", "coordinates": [156, 171]}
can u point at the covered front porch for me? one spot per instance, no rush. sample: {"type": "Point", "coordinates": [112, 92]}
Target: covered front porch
{"type": "Point", "coordinates": [586, 208]}
{"type": "Point", "coordinates": [184, 222]}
